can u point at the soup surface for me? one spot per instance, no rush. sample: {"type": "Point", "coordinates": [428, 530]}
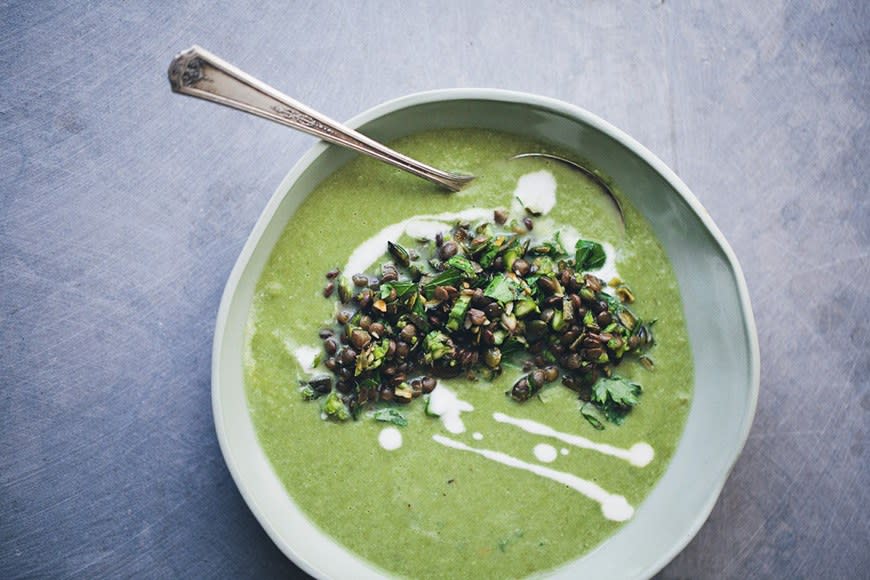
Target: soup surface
{"type": "Point", "coordinates": [513, 488]}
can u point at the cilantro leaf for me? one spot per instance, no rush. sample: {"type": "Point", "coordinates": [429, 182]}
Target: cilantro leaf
{"type": "Point", "coordinates": [502, 289]}
{"type": "Point", "coordinates": [588, 255]}
{"type": "Point", "coordinates": [615, 397]}
{"type": "Point", "coordinates": [462, 264]}
{"type": "Point", "coordinates": [390, 415]}
{"type": "Point", "coordinates": [402, 289]}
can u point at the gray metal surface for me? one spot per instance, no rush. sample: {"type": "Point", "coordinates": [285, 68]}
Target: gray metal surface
{"type": "Point", "coordinates": [116, 240]}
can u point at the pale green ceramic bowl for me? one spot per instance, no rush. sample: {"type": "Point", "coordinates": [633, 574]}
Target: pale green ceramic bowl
{"type": "Point", "coordinates": [720, 324]}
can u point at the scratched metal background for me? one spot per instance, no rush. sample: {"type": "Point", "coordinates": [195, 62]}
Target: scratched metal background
{"type": "Point", "coordinates": [123, 208]}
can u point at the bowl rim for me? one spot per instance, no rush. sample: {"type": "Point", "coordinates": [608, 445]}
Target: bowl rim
{"type": "Point", "coordinates": [513, 97]}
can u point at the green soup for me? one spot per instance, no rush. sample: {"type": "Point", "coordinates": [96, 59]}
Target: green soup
{"type": "Point", "coordinates": [428, 509]}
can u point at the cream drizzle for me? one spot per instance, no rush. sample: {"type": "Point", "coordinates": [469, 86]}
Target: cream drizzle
{"type": "Point", "coordinates": [614, 507]}
{"type": "Point", "coordinates": [448, 407]}
{"type": "Point", "coordinates": [535, 191]}
{"type": "Point", "coordinates": [639, 455]}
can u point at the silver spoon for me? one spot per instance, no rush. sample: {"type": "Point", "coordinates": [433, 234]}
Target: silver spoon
{"type": "Point", "coordinates": [198, 73]}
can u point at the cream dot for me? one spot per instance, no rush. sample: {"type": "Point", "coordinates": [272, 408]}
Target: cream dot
{"type": "Point", "coordinates": [563, 451]}
{"type": "Point", "coordinates": [545, 453]}
{"type": "Point", "coordinates": [477, 435]}
{"type": "Point", "coordinates": [390, 438]}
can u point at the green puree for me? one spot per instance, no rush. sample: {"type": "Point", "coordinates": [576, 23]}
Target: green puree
{"type": "Point", "coordinates": [426, 510]}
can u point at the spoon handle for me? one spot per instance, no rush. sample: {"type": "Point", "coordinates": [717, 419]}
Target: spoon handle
{"type": "Point", "coordinates": [198, 73]}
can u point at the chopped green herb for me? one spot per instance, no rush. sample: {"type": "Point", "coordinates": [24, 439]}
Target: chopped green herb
{"type": "Point", "coordinates": [588, 255]}
{"type": "Point", "coordinates": [457, 313]}
{"type": "Point", "coordinates": [464, 265]}
{"type": "Point", "coordinates": [615, 397]}
{"type": "Point", "coordinates": [390, 415]}
{"type": "Point", "coordinates": [502, 289]}
{"type": "Point", "coordinates": [335, 408]}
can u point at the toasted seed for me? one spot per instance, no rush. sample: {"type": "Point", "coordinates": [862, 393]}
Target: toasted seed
{"type": "Point", "coordinates": [328, 290]}
{"type": "Point", "coordinates": [520, 390]}
{"type": "Point", "coordinates": [647, 362]}
{"type": "Point", "coordinates": [547, 315]}
{"type": "Point", "coordinates": [409, 331]}
{"type": "Point", "coordinates": [325, 333]}
{"type": "Point", "coordinates": [440, 293]}
{"type": "Point", "coordinates": [448, 250]}
{"type": "Point", "coordinates": [330, 345]}
{"type": "Point", "coordinates": [521, 267]}
{"type": "Point", "coordinates": [594, 283]}
{"type": "Point", "coordinates": [604, 318]}
{"type": "Point", "coordinates": [625, 294]}
{"type": "Point", "coordinates": [343, 387]}
{"type": "Point", "coordinates": [360, 338]}
{"type": "Point", "coordinates": [500, 216]}
{"type": "Point", "coordinates": [439, 239]}
{"type": "Point", "coordinates": [376, 329]}
{"type": "Point", "coordinates": [554, 301]}
{"type": "Point", "coordinates": [535, 329]}
{"type": "Point", "coordinates": [547, 284]}
{"type": "Point", "coordinates": [593, 354]}
{"type": "Point", "coordinates": [360, 280]}
{"type": "Point", "coordinates": [569, 336]}
{"type": "Point", "coordinates": [404, 393]}
{"type": "Point", "coordinates": [477, 317]}
{"type": "Point", "coordinates": [347, 357]}
{"type": "Point", "coordinates": [387, 393]}
{"type": "Point", "coordinates": [527, 221]}
{"type": "Point", "coordinates": [492, 357]}
{"type": "Point", "coordinates": [572, 361]}
{"type": "Point", "coordinates": [536, 379]}
{"type": "Point", "coordinates": [343, 316]}
{"type": "Point", "coordinates": [331, 363]}
{"type": "Point", "coordinates": [551, 373]}
{"type": "Point", "coordinates": [627, 318]}
{"type": "Point", "coordinates": [493, 310]}
{"type": "Point", "coordinates": [577, 304]}
{"type": "Point", "coordinates": [428, 383]}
